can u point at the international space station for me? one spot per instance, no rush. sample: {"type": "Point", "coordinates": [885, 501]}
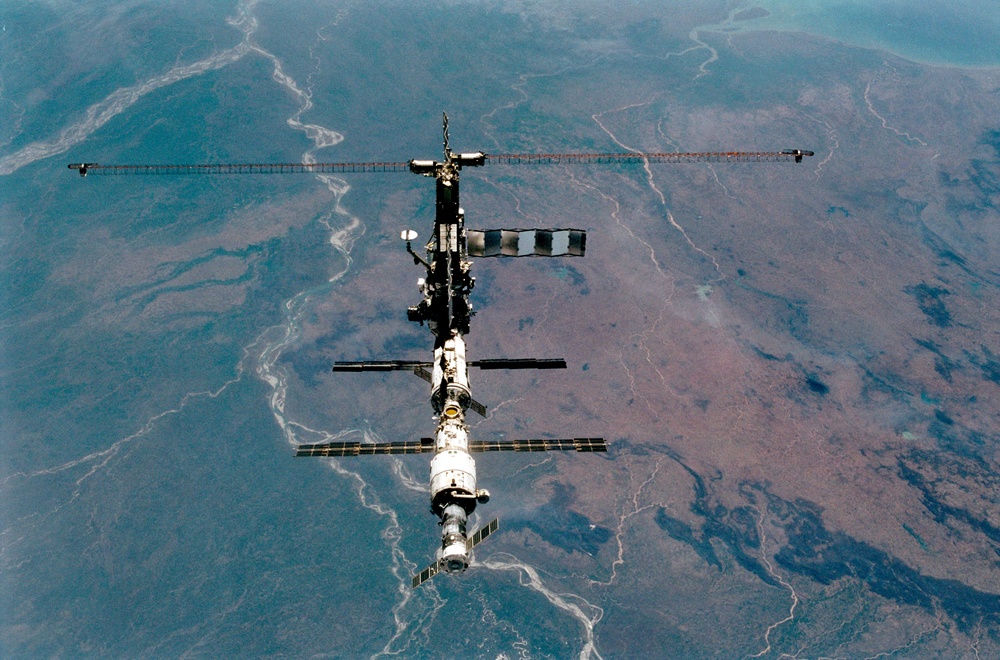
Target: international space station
{"type": "Point", "coordinates": [445, 308]}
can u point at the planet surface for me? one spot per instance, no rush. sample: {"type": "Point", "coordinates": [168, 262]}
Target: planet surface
{"type": "Point", "coordinates": [796, 365]}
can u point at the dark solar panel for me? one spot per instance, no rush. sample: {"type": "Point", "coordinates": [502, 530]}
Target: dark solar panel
{"type": "Point", "coordinates": [380, 365]}
{"type": "Point", "coordinates": [478, 407]}
{"type": "Point", "coordinates": [425, 575]}
{"type": "Point", "coordinates": [541, 444]}
{"type": "Point", "coordinates": [520, 363]}
{"type": "Point", "coordinates": [482, 533]}
{"type": "Point", "coordinates": [327, 449]}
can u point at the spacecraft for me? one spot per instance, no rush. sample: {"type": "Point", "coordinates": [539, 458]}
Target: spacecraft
{"type": "Point", "coordinates": [446, 310]}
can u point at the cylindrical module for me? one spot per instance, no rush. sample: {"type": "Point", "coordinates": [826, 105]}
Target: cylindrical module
{"type": "Point", "coordinates": [453, 480]}
{"type": "Point", "coordinates": [450, 392]}
{"type": "Point", "coordinates": [454, 555]}
{"type": "Point", "coordinates": [453, 470]}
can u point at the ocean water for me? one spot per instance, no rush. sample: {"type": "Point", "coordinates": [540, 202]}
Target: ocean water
{"type": "Point", "coordinates": [959, 34]}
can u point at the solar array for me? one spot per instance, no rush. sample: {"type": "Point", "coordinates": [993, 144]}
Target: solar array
{"type": "Point", "coordinates": [426, 445]}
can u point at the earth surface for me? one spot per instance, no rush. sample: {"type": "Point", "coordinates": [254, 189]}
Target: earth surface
{"type": "Point", "coordinates": [797, 366]}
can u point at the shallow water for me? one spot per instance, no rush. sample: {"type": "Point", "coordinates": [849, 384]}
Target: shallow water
{"type": "Point", "coordinates": [961, 34]}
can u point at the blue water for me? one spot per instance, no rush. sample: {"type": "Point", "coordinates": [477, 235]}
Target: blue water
{"type": "Point", "coordinates": [965, 33]}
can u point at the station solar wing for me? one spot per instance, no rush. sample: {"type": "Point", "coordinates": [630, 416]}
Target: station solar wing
{"type": "Point", "coordinates": [426, 574]}
{"type": "Point", "coordinates": [422, 373]}
{"type": "Point", "coordinates": [519, 363]}
{"type": "Point", "coordinates": [328, 449]}
{"type": "Point", "coordinates": [382, 365]}
{"type": "Point", "coordinates": [481, 534]}
{"type": "Point", "coordinates": [419, 369]}
{"type": "Point", "coordinates": [526, 242]}
{"type": "Point", "coordinates": [478, 407]}
{"type": "Point", "coordinates": [541, 444]}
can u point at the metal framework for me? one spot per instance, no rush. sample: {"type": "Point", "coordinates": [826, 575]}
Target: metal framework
{"type": "Point", "coordinates": [786, 155]}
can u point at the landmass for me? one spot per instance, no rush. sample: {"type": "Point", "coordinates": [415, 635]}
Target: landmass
{"type": "Point", "coordinates": [796, 365]}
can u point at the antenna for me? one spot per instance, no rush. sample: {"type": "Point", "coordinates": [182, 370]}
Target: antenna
{"type": "Point", "coordinates": [447, 147]}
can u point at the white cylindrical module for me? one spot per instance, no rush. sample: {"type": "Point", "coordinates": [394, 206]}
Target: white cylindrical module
{"type": "Point", "coordinates": [425, 167]}
{"type": "Point", "coordinates": [453, 476]}
{"type": "Point", "coordinates": [452, 433]}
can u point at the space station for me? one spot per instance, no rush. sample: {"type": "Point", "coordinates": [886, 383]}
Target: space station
{"type": "Point", "coordinates": [444, 307]}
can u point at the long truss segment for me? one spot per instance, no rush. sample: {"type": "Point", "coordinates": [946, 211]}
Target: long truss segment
{"type": "Point", "coordinates": [241, 168]}
{"type": "Point", "coordinates": [785, 155]}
